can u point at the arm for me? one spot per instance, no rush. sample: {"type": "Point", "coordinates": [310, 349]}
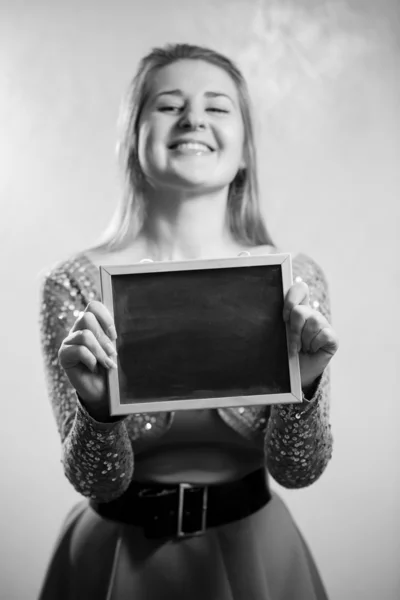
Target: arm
{"type": "Point", "coordinates": [97, 457]}
{"type": "Point", "coordinates": [298, 436]}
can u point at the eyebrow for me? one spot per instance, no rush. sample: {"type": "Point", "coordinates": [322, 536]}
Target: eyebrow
{"type": "Point", "coordinates": [207, 94]}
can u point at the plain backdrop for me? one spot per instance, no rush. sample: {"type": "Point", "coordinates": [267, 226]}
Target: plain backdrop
{"type": "Point", "coordinates": [325, 80]}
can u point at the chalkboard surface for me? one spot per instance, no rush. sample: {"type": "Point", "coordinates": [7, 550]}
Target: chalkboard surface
{"type": "Point", "coordinates": [200, 334]}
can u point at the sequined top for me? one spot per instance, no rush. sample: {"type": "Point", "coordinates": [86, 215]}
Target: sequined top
{"type": "Point", "coordinates": [98, 458]}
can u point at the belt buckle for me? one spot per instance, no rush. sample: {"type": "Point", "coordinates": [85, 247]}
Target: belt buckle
{"type": "Point", "coordinates": [182, 488]}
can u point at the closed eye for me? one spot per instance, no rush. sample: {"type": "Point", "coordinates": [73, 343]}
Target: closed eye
{"type": "Point", "coordinates": [175, 109]}
{"type": "Point", "coordinates": [169, 108]}
{"type": "Point", "coordinates": [218, 110]}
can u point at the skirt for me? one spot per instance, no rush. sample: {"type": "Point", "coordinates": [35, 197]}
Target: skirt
{"type": "Point", "coordinates": [261, 557]}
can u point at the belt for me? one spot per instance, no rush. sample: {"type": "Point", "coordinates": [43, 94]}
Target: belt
{"type": "Point", "coordinates": [184, 510]}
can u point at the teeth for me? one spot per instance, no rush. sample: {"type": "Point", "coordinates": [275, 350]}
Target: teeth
{"type": "Point", "coordinates": [193, 146]}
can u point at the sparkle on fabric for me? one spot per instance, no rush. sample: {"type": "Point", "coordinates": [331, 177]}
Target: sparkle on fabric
{"type": "Point", "coordinates": [98, 458]}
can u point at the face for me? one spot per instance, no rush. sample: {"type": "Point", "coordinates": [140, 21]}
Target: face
{"type": "Point", "coordinates": [191, 131]}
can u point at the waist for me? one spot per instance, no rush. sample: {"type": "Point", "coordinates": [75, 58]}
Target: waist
{"type": "Point", "coordinates": [197, 464]}
{"type": "Point", "coordinates": [182, 510]}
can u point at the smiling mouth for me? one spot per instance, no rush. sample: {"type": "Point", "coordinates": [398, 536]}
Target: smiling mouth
{"type": "Point", "coordinates": [191, 148]}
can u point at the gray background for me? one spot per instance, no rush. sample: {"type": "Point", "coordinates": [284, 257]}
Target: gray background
{"type": "Point", "coordinates": [325, 81]}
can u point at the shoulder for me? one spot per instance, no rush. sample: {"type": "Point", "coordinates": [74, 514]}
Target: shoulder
{"type": "Point", "coordinates": [66, 288]}
{"type": "Point", "coordinates": [64, 273]}
{"type": "Point", "coordinates": [80, 271]}
{"type": "Point", "coordinates": [304, 267]}
{"type": "Point", "coordinates": [308, 269]}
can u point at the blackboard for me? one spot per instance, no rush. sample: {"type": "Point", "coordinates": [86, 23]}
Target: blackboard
{"type": "Point", "coordinates": [200, 334]}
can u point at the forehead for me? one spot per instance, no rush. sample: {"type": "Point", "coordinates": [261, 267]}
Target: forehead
{"type": "Point", "coordinates": [193, 76]}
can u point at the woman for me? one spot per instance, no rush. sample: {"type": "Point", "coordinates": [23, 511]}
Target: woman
{"type": "Point", "coordinates": [191, 192]}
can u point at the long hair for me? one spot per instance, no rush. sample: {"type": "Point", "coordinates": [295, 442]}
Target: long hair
{"type": "Point", "coordinates": [244, 213]}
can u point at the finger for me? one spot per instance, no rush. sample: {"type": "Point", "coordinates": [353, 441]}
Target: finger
{"type": "Point", "coordinates": [314, 324]}
{"type": "Point", "coordinates": [88, 321]}
{"type": "Point", "coordinates": [87, 338]}
{"type": "Point", "coordinates": [327, 340]}
{"type": "Point", "coordinates": [297, 321]}
{"type": "Point", "coordinates": [298, 294]}
{"type": "Point", "coordinates": [73, 356]}
{"type": "Point", "coordinates": [104, 318]}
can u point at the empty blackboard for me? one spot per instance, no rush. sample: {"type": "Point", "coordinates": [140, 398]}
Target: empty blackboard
{"type": "Point", "coordinates": [200, 334]}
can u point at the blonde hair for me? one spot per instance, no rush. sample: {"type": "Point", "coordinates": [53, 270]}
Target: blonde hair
{"type": "Point", "coordinates": [244, 213]}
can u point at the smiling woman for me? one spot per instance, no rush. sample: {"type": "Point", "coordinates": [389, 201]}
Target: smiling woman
{"type": "Point", "coordinates": [190, 135]}
{"type": "Point", "coordinates": [179, 503]}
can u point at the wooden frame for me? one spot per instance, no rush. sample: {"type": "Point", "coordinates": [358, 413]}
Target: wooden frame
{"type": "Point", "coordinates": [200, 334]}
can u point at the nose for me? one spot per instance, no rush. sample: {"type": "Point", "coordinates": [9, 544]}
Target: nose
{"type": "Point", "coordinates": [192, 119]}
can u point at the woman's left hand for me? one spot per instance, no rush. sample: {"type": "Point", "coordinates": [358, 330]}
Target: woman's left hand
{"type": "Point", "coordinates": [310, 334]}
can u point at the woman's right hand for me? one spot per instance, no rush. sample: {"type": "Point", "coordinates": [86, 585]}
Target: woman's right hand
{"type": "Point", "coordinates": [87, 354]}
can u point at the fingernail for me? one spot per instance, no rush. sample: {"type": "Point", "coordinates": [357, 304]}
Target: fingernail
{"type": "Point", "coordinates": [112, 332]}
{"type": "Point", "coordinates": [110, 363]}
{"type": "Point", "coordinates": [111, 351]}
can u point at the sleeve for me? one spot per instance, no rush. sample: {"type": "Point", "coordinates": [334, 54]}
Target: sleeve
{"type": "Point", "coordinates": [298, 436]}
{"type": "Point", "coordinates": [97, 457]}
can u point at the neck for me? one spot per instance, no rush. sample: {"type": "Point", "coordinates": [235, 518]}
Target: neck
{"type": "Point", "coordinates": [190, 227]}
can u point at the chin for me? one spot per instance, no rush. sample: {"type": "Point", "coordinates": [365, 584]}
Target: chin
{"type": "Point", "coordinates": [189, 181]}
{"type": "Point", "coordinates": [201, 185]}
{"type": "Point", "coordinates": [204, 179]}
